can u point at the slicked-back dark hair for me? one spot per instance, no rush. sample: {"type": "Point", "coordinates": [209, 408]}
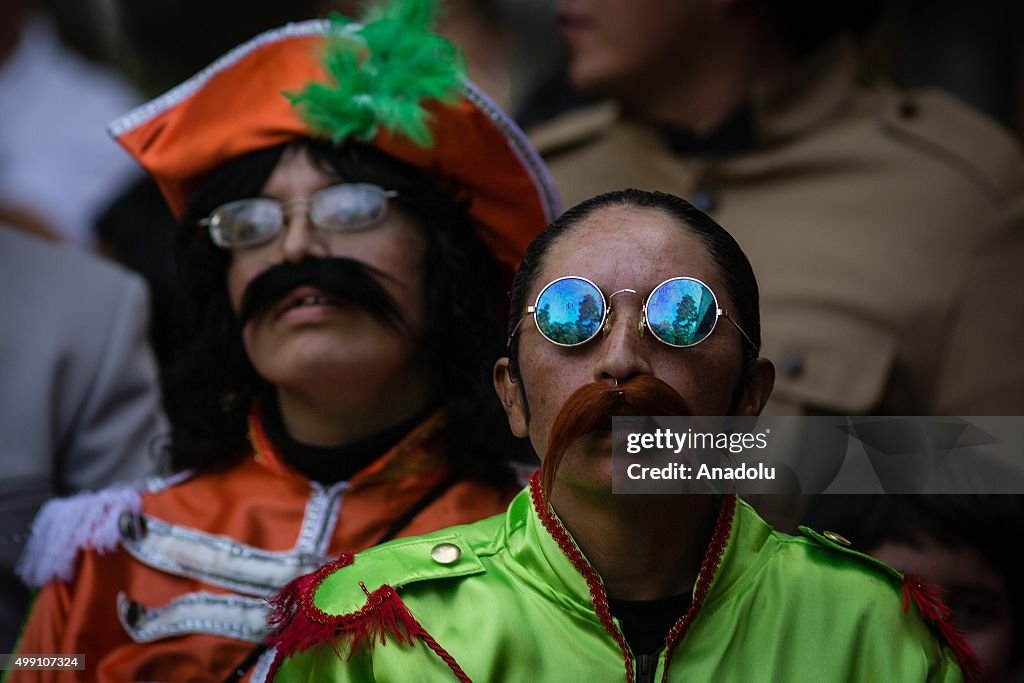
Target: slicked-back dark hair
{"type": "Point", "coordinates": [733, 266]}
{"type": "Point", "coordinates": [211, 387]}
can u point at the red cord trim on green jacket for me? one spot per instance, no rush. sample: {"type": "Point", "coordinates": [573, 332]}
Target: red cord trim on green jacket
{"type": "Point", "coordinates": [928, 598]}
{"type": "Point", "coordinates": [708, 569]}
{"type": "Point", "coordinates": [569, 549]}
{"type": "Point", "coordinates": [302, 625]}
{"type": "Point", "coordinates": [460, 675]}
{"type": "Point", "coordinates": [712, 558]}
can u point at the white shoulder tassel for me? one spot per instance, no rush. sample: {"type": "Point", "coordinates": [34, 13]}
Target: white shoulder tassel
{"type": "Point", "coordinates": [64, 526]}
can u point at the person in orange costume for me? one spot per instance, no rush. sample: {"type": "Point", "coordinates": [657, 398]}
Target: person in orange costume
{"type": "Point", "coordinates": [342, 304]}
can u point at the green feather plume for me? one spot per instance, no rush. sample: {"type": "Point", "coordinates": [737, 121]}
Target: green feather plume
{"type": "Point", "coordinates": [382, 70]}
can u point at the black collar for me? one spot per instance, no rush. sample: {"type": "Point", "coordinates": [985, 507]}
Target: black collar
{"type": "Point", "coordinates": [330, 464]}
{"type": "Point", "coordinates": [736, 135]}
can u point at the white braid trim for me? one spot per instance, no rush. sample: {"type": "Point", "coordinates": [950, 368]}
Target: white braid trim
{"type": "Point", "coordinates": [64, 526]}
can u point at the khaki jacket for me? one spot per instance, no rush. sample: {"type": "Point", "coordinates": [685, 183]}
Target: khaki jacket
{"type": "Point", "coordinates": [886, 230]}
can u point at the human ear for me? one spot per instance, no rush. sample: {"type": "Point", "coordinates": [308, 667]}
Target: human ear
{"type": "Point", "coordinates": [758, 387]}
{"type": "Point", "coordinates": [511, 397]}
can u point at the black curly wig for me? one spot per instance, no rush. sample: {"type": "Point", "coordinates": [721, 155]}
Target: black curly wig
{"type": "Point", "coordinates": [211, 385]}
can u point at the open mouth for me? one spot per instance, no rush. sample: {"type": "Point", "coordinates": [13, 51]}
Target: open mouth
{"type": "Point", "coordinates": [305, 297]}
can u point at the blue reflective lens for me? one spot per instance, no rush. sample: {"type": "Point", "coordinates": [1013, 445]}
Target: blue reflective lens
{"type": "Point", "coordinates": [682, 312]}
{"type": "Point", "coordinates": [570, 311]}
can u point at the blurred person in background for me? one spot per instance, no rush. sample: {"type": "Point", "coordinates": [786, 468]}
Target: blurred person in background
{"type": "Point", "coordinates": [80, 396]}
{"type": "Point", "coordinates": [874, 217]}
{"type": "Point", "coordinates": [968, 545]}
{"type": "Point", "coordinates": [350, 211]}
{"type": "Point", "coordinates": [58, 168]}
{"type": "Point", "coordinates": [80, 399]}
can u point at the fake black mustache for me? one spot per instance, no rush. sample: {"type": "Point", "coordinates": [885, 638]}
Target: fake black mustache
{"type": "Point", "coordinates": [346, 279]}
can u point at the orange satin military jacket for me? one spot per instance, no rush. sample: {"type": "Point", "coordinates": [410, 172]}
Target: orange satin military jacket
{"type": "Point", "coordinates": [179, 593]}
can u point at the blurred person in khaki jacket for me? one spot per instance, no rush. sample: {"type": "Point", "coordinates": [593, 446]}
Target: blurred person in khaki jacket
{"type": "Point", "coordinates": [887, 227]}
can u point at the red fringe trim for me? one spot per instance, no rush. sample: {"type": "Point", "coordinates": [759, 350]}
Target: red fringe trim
{"type": "Point", "coordinates": [303, 625]}
{"type": "Point", "coordinates": [300, 624]}
{"type": "Point", "coordinates": [712, 558]}
{"type": "Point", "coordinates": [928, 598]}
{"type": "Point", "coordinates": [383, 614]}
{"type": "Point", "coordinates": [299, 593]}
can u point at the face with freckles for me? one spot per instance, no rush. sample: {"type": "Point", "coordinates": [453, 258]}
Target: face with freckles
{"type": "Point", "coordinates": [617, 248]}
{"type": "Point", "coordinates": [329, 345]}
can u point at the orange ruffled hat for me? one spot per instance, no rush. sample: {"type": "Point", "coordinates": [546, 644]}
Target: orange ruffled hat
{"type": "Point", "coordinates": [239, 104]}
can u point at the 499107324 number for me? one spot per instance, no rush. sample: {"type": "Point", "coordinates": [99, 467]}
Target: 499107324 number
{"type": "Point", "coordinates": [47, 662]}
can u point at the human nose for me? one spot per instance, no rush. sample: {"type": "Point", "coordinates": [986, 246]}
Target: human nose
{"type": "Point", "coordinates": [301, 238]}
{"type": "Point", "coordinates": [622, 353]}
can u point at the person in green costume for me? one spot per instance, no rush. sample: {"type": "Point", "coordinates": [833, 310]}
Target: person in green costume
{"type": "Point", "coordinates": [573, 583]}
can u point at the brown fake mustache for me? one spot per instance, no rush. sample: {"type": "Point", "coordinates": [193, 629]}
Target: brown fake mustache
{"type": "Point", "coordinates": [591, 408]}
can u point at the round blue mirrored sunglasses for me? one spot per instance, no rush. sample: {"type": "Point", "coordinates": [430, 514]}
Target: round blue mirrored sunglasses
{"type": "Point", "coordinates": [680, 312]}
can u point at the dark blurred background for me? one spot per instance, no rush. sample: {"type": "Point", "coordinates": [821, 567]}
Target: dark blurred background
{"type": "Point", "coordinates": [971, 48]}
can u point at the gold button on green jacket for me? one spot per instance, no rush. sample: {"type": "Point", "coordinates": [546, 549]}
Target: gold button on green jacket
{"type": "Point", "coordinates": [521, 603]}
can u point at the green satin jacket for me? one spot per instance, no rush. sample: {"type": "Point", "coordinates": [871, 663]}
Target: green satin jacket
{"type": "Point", "coordinates": [511, 598]}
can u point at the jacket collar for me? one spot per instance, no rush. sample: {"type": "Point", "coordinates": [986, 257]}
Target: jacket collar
{"type": "Point", "coordinates": [542, 545]}
{"type": "Point", "coordinates": [805, 96]}
{"type": "Point", "coordinates": [808, 94]}
{"type": "Point", "coordinates": [415, 453]}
